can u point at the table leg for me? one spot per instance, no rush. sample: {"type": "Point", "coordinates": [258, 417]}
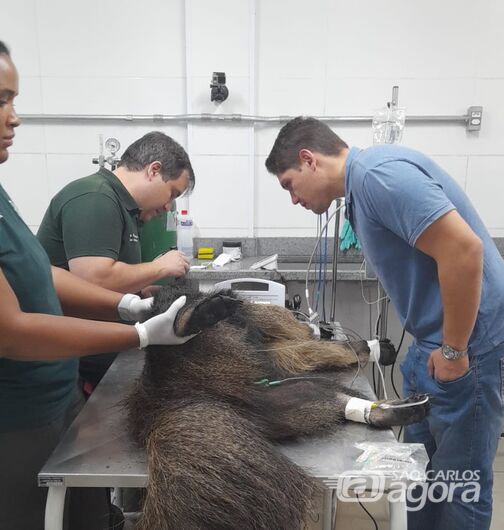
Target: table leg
{"type": "Point", "coordinates": [55, 506]}
{"type": "Point", "coordinates": [117, 497]}
{"type": "Point", "coordinates": [398, 515]}
{"type": "Point", "coordinates": [328, 515]}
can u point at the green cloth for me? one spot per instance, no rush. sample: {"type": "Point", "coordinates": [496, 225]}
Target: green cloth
{"type": "Point", "coordinates": [91, 216]}
{"type": "Point", "coordinates": [348, 239]}
{"type": "Point", "coordinates": [31, 393]}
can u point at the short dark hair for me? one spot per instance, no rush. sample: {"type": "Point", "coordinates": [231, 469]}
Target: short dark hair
{"type": "Point", "coordinates": [3, 49]}
{"type": "Point", "coordinates": [157, 146]}
{"type": "Point", "coordinates": [302, 133]}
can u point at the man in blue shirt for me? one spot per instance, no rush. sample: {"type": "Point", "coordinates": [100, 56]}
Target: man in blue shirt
{"type": "Point", "coordinates": [445, 276]}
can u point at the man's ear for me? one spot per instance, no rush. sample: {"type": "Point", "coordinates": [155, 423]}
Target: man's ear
{"type": "Point", "coordinates": [307, 157]}
{"type": "Point", "coordinates": [153, 169]}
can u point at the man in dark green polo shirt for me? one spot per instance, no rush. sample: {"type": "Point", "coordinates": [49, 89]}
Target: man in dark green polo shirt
{"type": "Point", "coordinates": [91, 225]}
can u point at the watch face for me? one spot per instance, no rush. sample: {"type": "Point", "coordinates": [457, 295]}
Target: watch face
{"type": "Point", "coordinates": [447, 352]}
{"type": "Point", "coordinates": [451, 354]}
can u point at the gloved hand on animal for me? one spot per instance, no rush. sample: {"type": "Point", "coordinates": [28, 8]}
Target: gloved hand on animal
{"type": "Point", "coordinates": [132, 308]}
{"type": "Point", "coordinates": [157, 329]}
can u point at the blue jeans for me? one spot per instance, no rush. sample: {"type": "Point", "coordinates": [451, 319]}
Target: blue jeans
{"type": "Point", "coordinates": [460, 434]}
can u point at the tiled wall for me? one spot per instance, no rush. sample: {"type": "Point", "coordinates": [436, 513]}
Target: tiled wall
{"type": "Point", "coordinates": [295, 57]}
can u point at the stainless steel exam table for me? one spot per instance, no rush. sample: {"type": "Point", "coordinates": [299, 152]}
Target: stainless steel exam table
{"type": "Point", "coordinates": [97, 450]}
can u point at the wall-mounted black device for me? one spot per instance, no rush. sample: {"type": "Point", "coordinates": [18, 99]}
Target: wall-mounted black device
{"type": "Point", "coordinates": [219, 91]}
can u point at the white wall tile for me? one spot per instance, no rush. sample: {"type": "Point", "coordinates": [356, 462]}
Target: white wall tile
{"type": "Point", "coordinates": [290, 96]}
{"type": "Point", "coordinates": [30, 138]}
{"type": "Point", "coordinates": [455, 166]}
{"type": "Point", "coordinates": [419, 96]}
{"type": "Point", "coordinates": [496, 232]}
{"type": "Point", "coordinates": [24, 177]}
{"type": "Point", "coordinates": [490, 140]}
{"type": "Point", "coordinates": [449, 139]}
{"type": "Point", "coordinates": [354, 135]}
{"type": "Point", "coordinates": [329, 57]}
{"type": "Point", "coordinates": [485, 187]}
{"type": "Point", "coordinates": [393, 38]}
{"type": "Point", "coordinates": [83, 138]}
{"type": "Point", "coordinates": [113, 95]}
{"type": "Point", "coordinates": [226, 231]}
{"type": "Point", "coordinates": [112, 38]}
{"type": "Point", "coordinates": [18, 29]}
{"type": "Point", "coordinates": [283, 231]}
{"type": "Point", "coordinates": [292, 39]}
{"type": "Point", "coordinates": [274, 208]}
{"type": "Point", "coordinates": [219, 37]}
{"type": "Point", "coordinates": [218, 200]}
{"type": "Point", "coordinates": [62, 169]}
{"type": "Point", "coordinates": [490, 41]}
{"type": "Point", "coordinates": [217, 139]}
{"type": "Point", "coordinates": [29, 99]}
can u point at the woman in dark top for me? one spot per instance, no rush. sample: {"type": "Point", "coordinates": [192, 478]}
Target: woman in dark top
{"type": "Point", "coordinates": [39, 346]}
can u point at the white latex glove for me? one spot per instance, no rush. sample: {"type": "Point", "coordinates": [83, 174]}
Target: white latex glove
{"type": "Point", "coordinates": [159, 329]}
{"type": "Point", "coordinates": [131, 307]}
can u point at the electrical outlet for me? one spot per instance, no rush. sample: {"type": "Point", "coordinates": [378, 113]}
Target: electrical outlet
{"type": "Point", "coordinates": [474, 116]}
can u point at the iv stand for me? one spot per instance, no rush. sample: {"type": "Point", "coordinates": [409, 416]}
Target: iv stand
{"type": "Point", "coordinates": [337, 332]}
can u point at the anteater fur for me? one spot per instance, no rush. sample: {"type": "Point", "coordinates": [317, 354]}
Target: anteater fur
{"type": "Point", "coordinates": [210, 430]}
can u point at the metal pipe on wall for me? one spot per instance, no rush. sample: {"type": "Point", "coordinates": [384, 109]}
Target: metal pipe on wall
{"type": "Point", "coordinates": [188, 84]}
{"type": "Point", "coordinates": [231, 118]}
{"type": "Point", "coordinates": [252, 108]}
{"type": "Point", "coordinates": [335, 262]}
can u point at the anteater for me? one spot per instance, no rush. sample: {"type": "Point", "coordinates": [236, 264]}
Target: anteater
{"type": "Point", "coordinates": [209, 417]}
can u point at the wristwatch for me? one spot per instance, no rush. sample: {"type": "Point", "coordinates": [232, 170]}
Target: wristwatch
{"type": "Point", "coordinates": [451, 354]}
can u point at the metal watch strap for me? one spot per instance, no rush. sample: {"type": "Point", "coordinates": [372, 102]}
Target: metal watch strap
{"type": "Point", "coordinates": [452, 354]}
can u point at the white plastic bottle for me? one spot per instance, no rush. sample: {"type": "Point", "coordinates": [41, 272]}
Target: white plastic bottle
{"type": "Point", "coordinates": [185, 234]}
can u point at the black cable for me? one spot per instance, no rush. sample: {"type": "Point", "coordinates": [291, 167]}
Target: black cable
{"type": "Point", "coordinates": [401, 341]}
{"type": "Point", "coordinates": [325, 277]}
{"type": "Point", "coordinates": [393, 382]}
{"type": "Point", "coordinates": [370, 516]}
{"type": "Point", "coordinates": [374, 379]}
{"type": "Point", "coordinates": [394, 363]}
{"type": "Point", "coordinates": [377, 326]}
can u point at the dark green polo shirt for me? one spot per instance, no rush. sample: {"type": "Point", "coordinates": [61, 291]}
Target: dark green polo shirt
{"type": "Point", "coordinates": [31, 393]}
{"type": "Point", "coordinates": [91, 216]}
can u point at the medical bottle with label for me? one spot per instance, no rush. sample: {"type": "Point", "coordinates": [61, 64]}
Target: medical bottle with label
{"type": "Point", "coordinates": [185, 234]}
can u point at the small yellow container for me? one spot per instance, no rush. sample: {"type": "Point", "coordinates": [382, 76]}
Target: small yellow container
{"type": "Point", "coordinates": [205, 253]}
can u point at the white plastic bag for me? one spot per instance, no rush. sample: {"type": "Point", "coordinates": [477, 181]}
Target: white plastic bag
{"type": "Point", "coordinates": [398, 460]}
{"type": "Point", "coordinates": [388, 125]}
